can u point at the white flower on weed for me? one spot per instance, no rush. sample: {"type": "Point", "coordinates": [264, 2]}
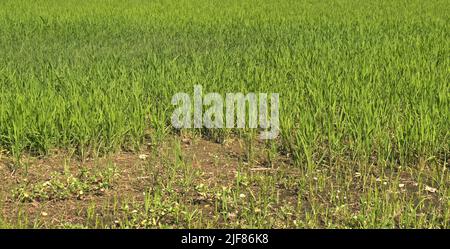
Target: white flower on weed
{"type": "Point", "coordinates": [143, 156]}
{"type": "Point", "coordinates": [430, 189]}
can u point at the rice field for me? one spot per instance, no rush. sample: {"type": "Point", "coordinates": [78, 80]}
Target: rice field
{"type": "Point", "coordinates": [364, 113]}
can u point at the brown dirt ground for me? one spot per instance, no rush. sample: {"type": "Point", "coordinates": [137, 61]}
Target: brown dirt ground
{"type": "Point", "coordinates": [217, 162]}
